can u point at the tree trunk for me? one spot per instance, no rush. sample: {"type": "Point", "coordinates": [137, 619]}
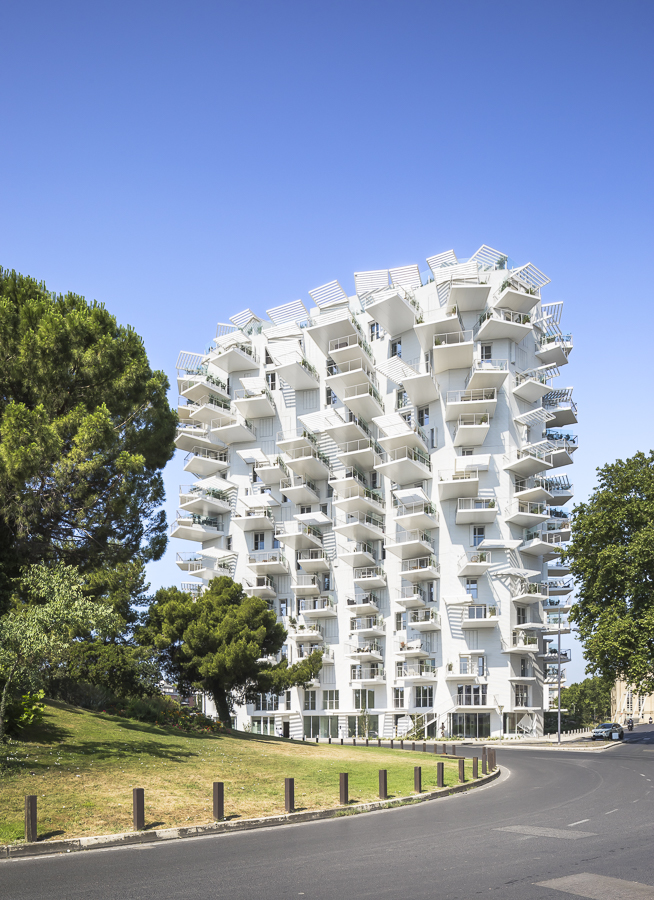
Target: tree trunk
{"type": "Point", "coordinates": [222, 706]}
{"type": "Point", "coordinates": [3, 704]}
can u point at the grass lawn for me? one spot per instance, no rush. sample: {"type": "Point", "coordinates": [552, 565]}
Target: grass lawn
{"type": "Point", "coordinates": [83, 765]}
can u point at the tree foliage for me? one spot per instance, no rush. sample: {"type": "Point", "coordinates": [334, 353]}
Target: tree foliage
{"type": "Point", "coordinates": [217, 642]}
{"type": "Point", "coordinates": [85, 428]}
{"type": "Point", "coordinates": [612, 560]}
{"type": "Point", "coordinates": [587, 701]}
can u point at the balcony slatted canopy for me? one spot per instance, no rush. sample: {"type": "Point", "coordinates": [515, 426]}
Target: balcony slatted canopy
{"type": "Point", "coordinates": [328, 294]}
{"type": "Point", "coordinates": [534, 417]}
{"type": "Point", "coordinates": [448, 258]}
{"type": "Point", "coordinates": [295, 311]}
{"type": "Point", "coordinates": [283, 332]}
{"type": "Point", "coordinates": [406, 276]}
{"type": "Point", "coordinates": [532, 276]}
{"type": "Point", "coordinates": [320, 421]}
{"type": "Point", "coordinates": [395, 370]}
{"type": "Point", "coordinates": [189, 362]}
{"type": "Point", "coordinates": [253, 455]}
{"type": "Point", "coordinates": [487, 256]}
{"type": "Point", "coordinates": [242, 318]}
{"type": "Point", "coordinates": [370, 281]}
{"type": "Point", "coordinates": [255, 384]}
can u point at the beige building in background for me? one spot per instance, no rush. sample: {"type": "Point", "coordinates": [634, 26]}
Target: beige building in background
{"type": "Point", "coordinates": [626, 704]}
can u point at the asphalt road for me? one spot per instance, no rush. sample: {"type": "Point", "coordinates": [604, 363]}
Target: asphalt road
{"type": "Point", "coordinates": [578, 815]}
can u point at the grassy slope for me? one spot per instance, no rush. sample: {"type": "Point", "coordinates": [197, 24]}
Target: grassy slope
{"type": "Point", "coordinates": [83, 766]}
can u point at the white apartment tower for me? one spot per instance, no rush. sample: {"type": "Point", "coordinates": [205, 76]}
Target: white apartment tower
{"type": "Point", "coordinates": [385, 469]}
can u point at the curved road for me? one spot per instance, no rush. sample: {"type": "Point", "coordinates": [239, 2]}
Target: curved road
{"type": "Point", "coordinates": [554, 815]}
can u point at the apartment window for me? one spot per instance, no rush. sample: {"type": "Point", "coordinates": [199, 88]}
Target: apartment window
{"type": "Point", "coordinates": [432, 438]}
{"type": "Point", "coordinates": [330, 699]}
{"type": "Point", "coordinates": [330, 397]}
{"type": "Point", "coordinates": [423, 416]}
{"type": "Point", "coordinates": [472, 588]}
{"type": "Point", "coordinates": [228, 543]}
{"type": "Point", "coordinates": [287, 699]}
{"type": "Point", "coordinates": [283, 607]}
{"type": "Point", "coordinates": [264, 725]}
{"type": "Point", "coordinates": [364, 699]}
{"type": "Point", "coordinates": [400, 621]}
{"type": "Point", "coordinates": [374, 480]}
{"type": "Point", "coordinates": [266, 703]}
{"type": "Point", "coordinates": [269, 361]}
{"type": "Point", "coordinates": [375, 331]}
{"type": "Point", "coordinates": [259, 540]}
{"type": "Point", "coordinates": [524, 668]}
{"type": "Point", "coordinates": [398, 698]}
{"type": "Point", "coordinates": [326, 582]}
{"type": "Point", "coordinates": [424, 697]}
{"type": "Point", "coordinates": [481, 665]}
{"type": "Point", "coordinates": [476, 612]}
{"type": "Point", "coordinates": [430, 592]}
{"type": "Point", "coordinates": [310, 700]}
{"type": "Point", "coordinates": [478, 534]}
{"type": "Point", "coordinates": [271, 378]}
{"type": "Point", "coordinates": [276, 544]}
{"type": "Point", "coordinates": [304, 510]}
{"type": "Point", "coordinates": [521, 695]}
{"type": "Point", "coordinates": [401, 399]}
{"type": "Point", "coordinates": [323, 509]}
{"type": "Point", "coordinates": [396, 348]}
{"type": "Point", "coordinates": [486, 351]}
{"type": "Point", "coordinates": [521, 615]}
{"type": "Point", "coordinates": [467, 451]}
{"type": "Point", "coordinates": [471, 695]}
{"type": "Point", "coordinates": [284, 652]}
{"type": "Point", "coordinates": [463, 665]}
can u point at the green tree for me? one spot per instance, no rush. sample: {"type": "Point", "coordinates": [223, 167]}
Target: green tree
{"type": "Point", "coordinates": [35, 637]}
{"type": "Point", "coordinates": [612, 559]}
{"type": "Point", "coordinates": [85, 428]}
{"type": "Point", "coordinates": [216, 642]}
{"type": "Point", "coordinates": [587, 701]}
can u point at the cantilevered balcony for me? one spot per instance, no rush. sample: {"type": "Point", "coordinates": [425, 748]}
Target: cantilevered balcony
{"type": "Point", "coordinates": [313, 560]}
{"type": "Point", "coordinates": [529, 461]}
{"type": "Point", "coordinates": [358, 526]}
{"type": "Point", "coordinates": [349, 347]}
{"type": "Point", "coordinates": [561, 407]}
{"type": "Point", "coordinates": [271, 470]}
{"type": "Point", "coordinates": [238, 357]}
{"type": "Point", "coordinates": [364, 651]}
{"type": "Point", "coordinates": [415, 648]}
{"type": "Point", "coordinates": [369, 577]}
{"type": "Point", "coordinates": [330, 325]}
{"type": "Point", "coordinates": [310, 631]}
{"type": "Point", "coordinates": [296, 371]}
{"type": "Point", "coordinates": [263, 586]}
{"type": "Point", "coordinates": [487, 373]}
{"type": "Point", "coordinates": [531, 386]}
{"type": "Point", "coordinates": [469, 296]}
{"type": "Point", "coordinates": [196, 528]}
{"type": "Point", "coordinates": [420, 386]}
{"type": "Point", "coordinates": [502, 324]}
{"type": "Point", "coordinates": [412, 597]}
{"type": "Point", "coordinates": [526, 513]}
{"type": "Point", "coordinates": [416, 515]}
{"type": "Point", "coordinates": [306, 586]}
{"type": "Point", "coordinates": [350, 428]}
{"type": "Point", "coordinates": [295, 439]}
{"type": "Point", "coordinates": [471, 430]}
{"type": "Point", "coordinates": [233, 430]}
{"type": "Point", "coordinates": [562, 446]}
{"type": "Point", "coordinates": [423, 671]}
{"type": "Point", "coordinates": [358, 498]}
{"type": "Point", "coordinates": [556, 623]}
{"type": "Point", "coordinates": [402, 431]}
{"type": "Point", "coordinates": [453, 350]}
{"type": "Point", "coordinates": [522, 643]}
{"type": "Point", "coordinates": [350, 372]}
{"type": "Point", "coordinates": [363, 604]}
{"type": "Point", "coordinates": [452, 485]}
{"type": "Point", "coordinates": [193, 436]}
{"type": "Point", "coordinates": [524, 591]}
{"type": "Point", "coordinates": [424, 620]}
{"type": "Point", "coordinates": [203, 462]}
{"type": "Point", "coordinates": [298, 536]}
{"type": "Point", "coordinates": [405, 465]}
{"type": "Point", "coordinates": [559, 588]}
{"type": "Point", "coordinates": [255, 519]}
{"type": "Point", "coordinates": [558, 568]}
{"type": "Point", "coordinates": [357, 554]}
{"type": "Point", "coordinates": [205, 408]}
{"type": "Point", "coordinates": [363, 399]}
{"type": "Point", "coordinates": [373, 674]}
{"type": "Point", "coordinates": [475, 510]}
{"type": "Point", "coordinates": [535, 489]}
{"type": "Point", "coordinates": [268, 562]}
{"type": "Point", "coordinates": [444, 321]}
{"type": "Point", "coordinates": [539, 542]}
{"type": "Point", "coordinates": [201, 566]}
{"type": "Point", "coordinates": [396, 309]}
{"type": "Point", "coordinates": [199, 384]}
{"type": "Point", "coordinates": [367, 626]}
{"type": "Point", "coordinates": [320, 608]}
{"type": "Point", "coordinates": [478, 615]}
{"type": "Point", "coordinates": [254, 404]}
{"type": "Point", "coordinates": [553, 656]}
{"type": "Point", "coordinates": [346, 477]}
{"type": "Point", "coordinates": [425, 568]}
{"type": "Point", "coordinates": [561, 489]}
{"type": "Point", "coordinates": [474, 564]}
{"type": "Point", "coordinates": [362, 454]}
{"type": "Point", "coordinates": [308, 462]}
{"type": "Point", "coordinates": [482, 401]}
{"type": "Point", "coordinates": [203, 501]}
{"type": "Point", "coordinates": [512, 297]}
{"type": "Point", "coordinates": [410, 544]}
{"type": "Point", "coordinates": [299, 490]}
{"type": "Point", "coordinates": [554, 349]}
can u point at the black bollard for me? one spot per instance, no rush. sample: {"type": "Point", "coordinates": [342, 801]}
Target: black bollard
{"type": "Point", "coordinates": [138, 809]}
{"type": "Point", "coordinates": [383, 784]}
{"type": "Point", "coordinates": [218, 800]}
{"type": "Point", "coordinates": [289, 795]}
{"type": "Point", "coordinates": [417, 779]}
{"type": "Point", "coordinates": [440, 774]}
{"type": "Point", "coordinates": [475, 767]}
{"type": "Point", "coordinates": [343, 789]}
{"type": "Point", "coordinates": [30, 818]}
{"type": "Point", "coordinates": [462, 769]}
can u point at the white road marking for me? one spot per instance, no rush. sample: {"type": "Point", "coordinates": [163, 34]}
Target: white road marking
{"type": "Point", "coordinates": [611, 811]}
{"type": "Point", "coordinates": [599, 887]}
{"type": "Point", "coordinates": [636, 801]}
{"type": "Point", "coordinates": [535, 831]}
{"type": "Point", "coordinates": [580, 822]}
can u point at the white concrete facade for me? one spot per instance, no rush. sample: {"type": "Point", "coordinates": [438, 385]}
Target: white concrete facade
{"type": "Point", "coordinates": [387, 470]}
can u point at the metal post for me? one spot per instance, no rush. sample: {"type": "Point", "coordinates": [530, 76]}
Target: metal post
{"type": "Point", "coordinates": [383, 784]}
{"type": "Point", "coordinates": [343, 786]}
{"type": "Point", "coordinates": [453, 749]}
{"type": "Point", "coordinates": [30, 818]}
{"type": "Point", "coordinates": [558, 732]}
{"type": "Point", "coordinates": [391, 743]}
{"type": "Point", "coordinates": [138, 809]}
{"type": "Point", "coordinates": [444, 749]}
{"type": "Point", "coordinates": [440, 774]}
{"type": "Point", "coordinates": [379, 742]}
{"type": "Point", "coordinates": [484, 762]}
{"type": "Point", "coordinates": [218, 800]}
{"type": "Point", "coordinates": [462, 769]}
{"type": "Point", "coordinates": [413, 745]}
{"type": "Point", "coordinates": [424, 747]}
{"type": "Point", "coordinates": [417, 779]}
{"type": "Point", "coordinates": [366, 742]}
{"type": "Point", "coordinates": [402, 745]}
{"type": "Point", "coordinates": [475, 767]}
{"type": "Point", "coordinates": [289, 795]}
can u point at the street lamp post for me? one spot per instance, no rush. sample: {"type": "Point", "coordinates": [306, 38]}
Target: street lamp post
{"type": "Point", "coordinates": [558, 737]}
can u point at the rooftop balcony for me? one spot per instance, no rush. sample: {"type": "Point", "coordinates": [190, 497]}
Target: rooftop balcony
{"type": "Point", "coordinates": [254, 404]}
{"type": "Point", "coordinates": [357, 554]}
{"type": "Point", "coordinates": [296, 371]}
{"type": "Point", "coordinates": [502, 324]}
{"type": "Point", "coordinates": [487, 373]}
{"type": "Point", "coordinates": [402, 431]}
{"type": "Point", "coordinates": [363, 399]}
{"type": "Point", "coordinates": [298, 536]}
{"type": "Point", "coordinates": [364, 651]}
{"type": "Point", "coordinates": [523, 591]}
{"type": "Point", "coordinates": [475, 510]}
{"type": "Point", "coordinates": [396, 309]}
{"type": "Point", "coordinates": [409, 544]}
{"type": "Point", "coordinates": [561, 407]}
{"type": "Point", "coordinates": [256, 518]}
{"type": "Point", "coordinates": [474, 564]}
{"type": "Point", "coordinates": [416, 515]}
{"type": "Point", "coordinates": [373, 674]}
{"type": "Point", "coordinates": [363, 453]}
{"type": "Point", "coordinates": [424, 620]}
{"type": "Point", "coordinates": [313, 560]}
{"type": "Point", "coordinates": [197, 385]}
{"type": "Point", "coordinates": [329, 326]}
{"type": "Point", "coordinates": [359, 526]}
{"type": "Point", "coordinates": [554, 349]}
{"type": "Point", "coordinates": [235, 358]}
{"type": "Point", "coordinates": [271, 470]}
{"type": "Point", "coordinates": [196, 528]}
{"type": "Point", "coordinates": [445, 321]}
{"type": "Point", "coordinates": [359, 499]}
{"type": "Point", "coordinates": [268, 562]}
{"type": "Point", "coordinates": [306, 586]}
{"type": "Point", "coordinates": [480, 616]}
{"type": "Point", "coordinates": [363, 604]}
{"type": "Point", "coordinates": [203, 501]}
{"type": "Point", "coordinates": [453, 485]}
{"type": "Point", "coordinates": [416, 648]}
{"type": "Point", "coordinates": [425, 568]}
{"type": "Point", "coordinates": [452, 351]}
{"type": "Point", "coordinates": [531, 386]}
{"type": "Point", "coordinates": [349, 347]}
{"type": "Point", "coordinates": [404, 465]}
{"type": "Point", "coordinates": [422, 672]}
{"type": "Point", "coordinates": [193, 436]}
{"type": "Point", "coordinates": [232, 430]}
{"type": "Point", "coordinates": [368, 577]}
{"type": "Point", "coordinates": [263, 587]}
{"type": "Point", "coordinates": [299, 490]}
{"type": "Point", "coordinates": [529, 461]}
{"type": "Point", "coordinates": [461, 403]}
{"type": "Point", "coordinates": [350, 372]}
{"type": "Point", "coordinates": [205, 567]}
{"type": "Point", "coordinates": [526, 513]}
{"type": "Point", "coordinates": [412, 597]}
{"type": "Point", "coordinates": [295, 439]}
{"type": "Point", "coordinates": [367, 626]}
{"type": "Point", "coordinates": [471, 430]}
{"type": "Point", "coordinates": [308, 462]}
{"type": "Point", "coordinates": [320, 608]}
{"type": "Point", "coordinates": [203, 462]}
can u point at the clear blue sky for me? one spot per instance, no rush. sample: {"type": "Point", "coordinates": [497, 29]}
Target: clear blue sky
{"type": "Point", "coordinates": [179, 161]}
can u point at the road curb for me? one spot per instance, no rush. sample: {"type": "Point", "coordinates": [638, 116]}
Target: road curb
{"type": "Point", "coordinates": [22, 851]}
